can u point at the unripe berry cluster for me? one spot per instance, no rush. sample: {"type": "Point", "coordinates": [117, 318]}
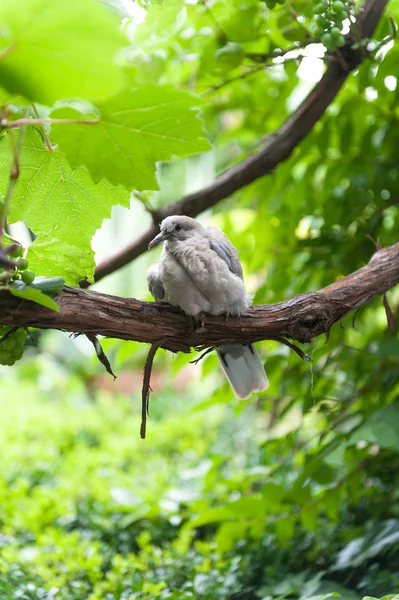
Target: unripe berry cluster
{"type": "Point", "coordinates": [272, 3]}
{"type": "Point", "coordinates": [12, 348]}
{"type": "Point", "coordinates": [327, 25]}
{"type": "Point", "coordinates": [16, 251]}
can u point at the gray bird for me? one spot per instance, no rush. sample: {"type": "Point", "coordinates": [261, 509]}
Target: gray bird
{"type": "Point", "coordinates": [199, 270]}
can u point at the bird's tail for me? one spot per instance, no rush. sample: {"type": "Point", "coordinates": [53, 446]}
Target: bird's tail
{"type": "Point", "coordinates": [243, 368]}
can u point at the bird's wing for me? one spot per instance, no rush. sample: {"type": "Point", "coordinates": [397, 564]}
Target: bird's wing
{"type": "Point", "coordinates": [221, 244]}
{"type": "Point", "coordinates": [155, 282]}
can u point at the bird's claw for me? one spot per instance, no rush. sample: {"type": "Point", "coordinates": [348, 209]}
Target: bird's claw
{"type": "Point", "coordinates": [198, 322]}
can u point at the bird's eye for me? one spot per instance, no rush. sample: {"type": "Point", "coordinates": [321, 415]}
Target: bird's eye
{"type": "Point", "coordinates": [178, 227]}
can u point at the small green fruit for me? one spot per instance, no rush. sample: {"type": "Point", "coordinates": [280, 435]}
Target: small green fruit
{"type": "Point", "coordinates": [319, 8]}
{"type": "Point", "coordinates": [339, 6]}
{"type": "Point", "coordinates": [340, 41]}
{"type": "Point", "coordinates": [321, 21]}
{"type": "Point", "coordinates": [341, 17]}
{"type": "Point", "coordinates": [335, 32]}
{"type": "Point", "coordinates": [16, 252]}
{"type": "Point", "coordinates": [22, 264]}
{"type": "Point", "coordinates": [317, 31]}
{"type": "Point", "coordinates": [28, 276]}
{"type": "Point", "coordinates": [328, 41]}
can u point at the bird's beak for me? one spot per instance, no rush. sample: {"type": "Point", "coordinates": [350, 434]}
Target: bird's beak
{"type": "Point", "coordinates": [157, 240]}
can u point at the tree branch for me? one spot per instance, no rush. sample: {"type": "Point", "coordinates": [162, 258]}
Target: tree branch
{"type": "Point", "coordinates": [265, 56]}
{"type": "Point", "coordinates": [277, 148]}
{"type": "Point", "coordinates": [300, 318]}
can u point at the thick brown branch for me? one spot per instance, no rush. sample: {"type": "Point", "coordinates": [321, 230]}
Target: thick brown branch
{"type": "Point", "coordinates": [277, 148]}
{"type": "Point", "coordinates": [301, 318]}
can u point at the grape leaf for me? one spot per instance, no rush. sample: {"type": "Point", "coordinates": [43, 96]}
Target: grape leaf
{"type": "Point", "coordinates": [54, 199]}
{"type": "Point", "coordinates": [137, 128]}
{"type": "Point", "coordinates": [60, 49]}
{"type": "Point", "coordinates": [48, 256]}
{"type": "Point", "coordinates": [26, 292]}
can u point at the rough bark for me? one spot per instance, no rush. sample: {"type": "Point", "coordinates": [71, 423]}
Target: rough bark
{"type": "Point", "coordinates": [277, 147]}
{"type": "Point", "coordinates": [300, 318]}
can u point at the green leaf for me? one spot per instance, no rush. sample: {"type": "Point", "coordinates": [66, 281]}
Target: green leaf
{"type": "Point", "coordinates": [54, 199]}
{"type": "Point", "coordinates": [381, 428]}
{"type": "Point", "coordinates": [48, 285]}
{"type": "Point", "coordinates": [310, 519]}
{"type": "Point", "coordinates": [285, 529]}
{"type": "Point", "coordinates": [213, 515]}
{"type": "Point", "coordinates": [27, 292]}
{"type": "Point", "coordinates": [137, 129]}
{"type": "Point", "coordinates": [387, 597]}
{"type": "Point", "coordinates": [230, 56]}
{"type": "Point", "coordinates": [48, 256]}
{"type": "Point", "coordinates": [229, 534]}
{"type": "Point", "coordinates": [324, 596]}
{"type": "Point", "coordinates": [60, 49]}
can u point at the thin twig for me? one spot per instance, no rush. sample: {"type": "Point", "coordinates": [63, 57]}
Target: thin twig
{"type": "Point", "coordinates": [100, 353]}
{"type": "Point", "coordinates": [214, 19]}
{"type": "Point", "coordinates": [14, 174]}
{"type": "Point", "coordinates": [43, 131]}
{"type": "Point", "coordinates": [245, 74]}
{"type": "Point", "coordinates": [390, 316]}
{"type": "Point", "coordinates": [8, 334]}
{"type": "Point", "coordinates": [7, 51]}
{"type": "Point", "coordinates": [196, 360]}
{"type": "Point", "coordinates": [265, 56]}
{"type": "Point", "coordinates": [354, 317]}
{"type": "Point", "coordinates": [145, 393]}
{"type": "Point", "coordinates": [295, 348]}
{"type": "Point", "coordinates": [19, 122]}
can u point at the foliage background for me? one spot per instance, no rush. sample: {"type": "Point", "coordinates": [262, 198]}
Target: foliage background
{"type": "Point", "coordinates": [290, 494]}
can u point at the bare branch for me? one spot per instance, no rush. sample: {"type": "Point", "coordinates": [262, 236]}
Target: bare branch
{"type": "Point", "coordinates": [301, 318]}
{"type": "Point", "coordinates": [265, 56]}
{"type": "Point", "coordinates": [277, 147]}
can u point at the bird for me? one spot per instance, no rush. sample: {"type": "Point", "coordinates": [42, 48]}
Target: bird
{"type": "Point", "coordinates": [199, 271]}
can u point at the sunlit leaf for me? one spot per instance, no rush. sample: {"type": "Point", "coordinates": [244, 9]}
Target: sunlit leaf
{"type": "Point", "coordinates": [55, 51]}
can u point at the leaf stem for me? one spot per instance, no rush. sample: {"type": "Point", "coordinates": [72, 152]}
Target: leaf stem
{"type": "Point", "coordinates": [22, 122]}
{"type": "Point", "coordinates": [14, 173]}
{"type": "Point", "coordinates": [43, 130]}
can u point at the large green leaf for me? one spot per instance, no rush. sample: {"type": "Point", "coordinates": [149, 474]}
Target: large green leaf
{"type": "Point", "coordinates": [48, 256]}
{"type": "Point", "coordinates": [60, 49]}
{"type": "Point", "coordinates": [137, 129]}
{"type": "Point", "coordinates": [54, 199]}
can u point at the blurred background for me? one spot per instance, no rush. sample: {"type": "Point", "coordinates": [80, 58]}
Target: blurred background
{"type": "Point", "coordinates": [289, 494]}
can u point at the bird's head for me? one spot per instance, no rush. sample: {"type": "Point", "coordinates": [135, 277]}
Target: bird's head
{"type": "Point", "coordinates": [176, 229]}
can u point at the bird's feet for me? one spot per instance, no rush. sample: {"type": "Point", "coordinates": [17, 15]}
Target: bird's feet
{"type": "Point", "coordinates": [198, 322]}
